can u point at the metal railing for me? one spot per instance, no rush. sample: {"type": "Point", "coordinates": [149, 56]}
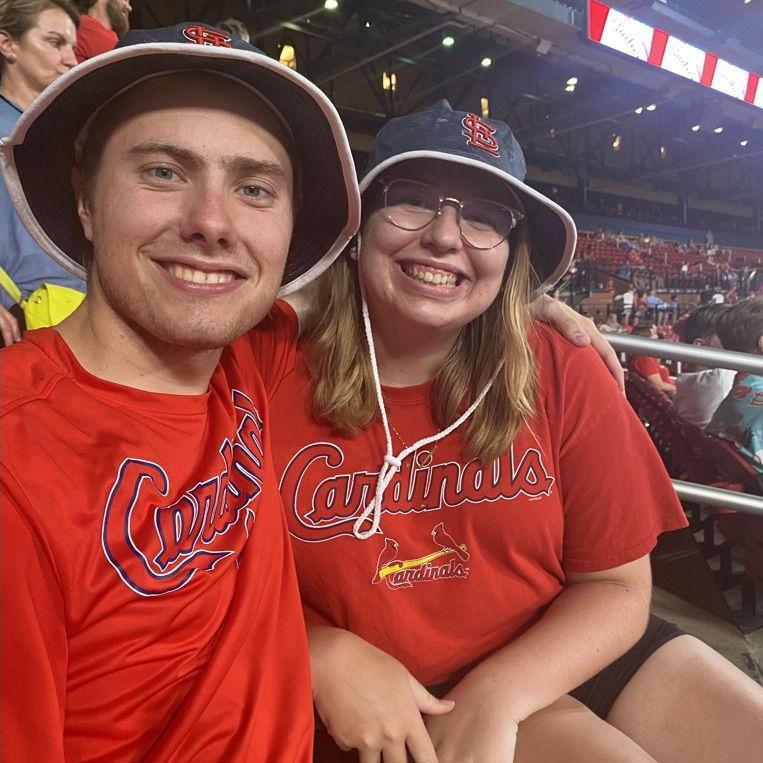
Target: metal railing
{"type": "Point", "coordinates": [688, 353]}
{"type": "Point", "coordinates": [712, 358]}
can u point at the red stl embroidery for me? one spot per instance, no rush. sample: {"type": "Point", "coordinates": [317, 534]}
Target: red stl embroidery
{"type": "Point", "coordinates": [203, 36]}
{"type": "Point", "coordinates": [480, 134]}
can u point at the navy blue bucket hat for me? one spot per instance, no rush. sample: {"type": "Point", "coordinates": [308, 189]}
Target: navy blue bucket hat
{"type": "Point", "coordinates": [466, 139]}
{"type": "Point", "coordinates": [38, 157]}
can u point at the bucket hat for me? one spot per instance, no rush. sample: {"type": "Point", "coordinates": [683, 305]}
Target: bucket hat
{"type": "Point", "coordinates": [465, 139]}
{"type": "Point", "coordinates": [38, 156]}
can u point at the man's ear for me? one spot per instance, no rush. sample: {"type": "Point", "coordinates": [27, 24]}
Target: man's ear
{"type": "Point", "coordinates": [84, 207]}
{"type": "Point", "coordinates": [760, 344]}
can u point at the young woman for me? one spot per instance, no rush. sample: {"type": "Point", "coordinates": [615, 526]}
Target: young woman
{"type": "Point", "coordinates": [459, 528]}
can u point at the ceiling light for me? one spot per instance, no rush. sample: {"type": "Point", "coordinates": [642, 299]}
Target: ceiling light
{"type": "Point", "coordinates": [651, 107]}
{"type": "Point", "coordinates": [743, 142]}
{"type": "Point", "coordinates": [639, 110]}
{"type": "Point", "coordinates": [663, 152]}
{"type": "Point", "coordinates": [572, 81]}
{"type": "Point", "coordinates": [718, 129]}
{"type": "Point", "coordinates": [368, 24]}
{"type": "Point", "coordinates": [570, 88]}
{"type": "Point", "coordinates": [331, 5]}
{"type": "Point", "coordinates": [389, 81]}
{"type": "Point", "coordinates": [448, 41]}
{"type": "Point", "coordinates": [486, 61]}
{"type": "Point", "coordinates": [617, 141]}
{"type": "Point", "coordinates": [747, 2]}
{"type": "Point", "coordinates": [695, 128]}
{"type": "Point", "coordinates": [485, 107]}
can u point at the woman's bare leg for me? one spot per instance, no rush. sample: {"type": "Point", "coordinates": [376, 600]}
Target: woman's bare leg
{"type": "Point", "coordinates": [568, 732]}
{"type": "Point", "coordinates": [687, 702]}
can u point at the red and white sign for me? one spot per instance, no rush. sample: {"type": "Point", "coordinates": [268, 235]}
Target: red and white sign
{"type": "Point", "coordinates": [683, 59]}
{"type": "Point", "coordinates": [627, 35]}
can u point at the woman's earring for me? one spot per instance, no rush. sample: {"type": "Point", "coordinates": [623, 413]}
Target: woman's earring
{"type": "Point", "coordinates": [11, 58]}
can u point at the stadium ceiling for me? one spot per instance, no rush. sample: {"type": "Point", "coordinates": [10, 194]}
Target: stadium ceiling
{"type": "Point", "coordinates": [591, 135]}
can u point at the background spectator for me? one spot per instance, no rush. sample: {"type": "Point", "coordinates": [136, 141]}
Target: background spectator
{"type": "Point", "coordinates": [37, 40]}
{"type": "Point", "coordinates": [648, 367]}
{"type": "Point", "coordinates": [700, 390]}
{"type": "Point", "coordinates": [103, 22]}
{"type": "Point", "coordinates": [740, 416]}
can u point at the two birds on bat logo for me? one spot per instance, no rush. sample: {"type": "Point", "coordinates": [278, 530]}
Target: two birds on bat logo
{"type": "Point", "coordinates": [447, 560]}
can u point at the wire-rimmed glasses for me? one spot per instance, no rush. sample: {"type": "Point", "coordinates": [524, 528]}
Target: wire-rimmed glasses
{"type": "Point", "coordinates": [412, 205]}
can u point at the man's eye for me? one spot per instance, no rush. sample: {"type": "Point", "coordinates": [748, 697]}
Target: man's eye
{"type": "Point", "coordinates": [163, 173]}
{"type": "Point", "coordinates": [256, 192]}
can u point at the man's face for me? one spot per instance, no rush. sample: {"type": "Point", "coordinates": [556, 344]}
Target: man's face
{"type": "Point", "coordinates": [190, 213]}
{"type": "Point", "coordinates": [118, 12]}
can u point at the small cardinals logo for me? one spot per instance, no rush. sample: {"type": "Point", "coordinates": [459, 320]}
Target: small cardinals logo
{"type": "Point", "coordinates": [403, 573]}
{"type": "Point", "coordinates": [480, 134]}
{"type": "Point", "coordinates": [202, 35]}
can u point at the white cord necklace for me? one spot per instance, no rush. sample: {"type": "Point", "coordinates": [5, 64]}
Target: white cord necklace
{"type": "Point", "coordinates": [392, 462]}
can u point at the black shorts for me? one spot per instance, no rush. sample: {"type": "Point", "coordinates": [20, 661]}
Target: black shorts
{"type": "Point", "coordinates": [600, 692]}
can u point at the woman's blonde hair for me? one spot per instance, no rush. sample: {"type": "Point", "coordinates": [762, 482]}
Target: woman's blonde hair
{"type": "Point", "coordinates": [343, 389]}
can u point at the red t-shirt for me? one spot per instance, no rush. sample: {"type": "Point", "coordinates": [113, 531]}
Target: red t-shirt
{"type": "Point", "coordinates": [93, 38]}
{"type": "Point", "coordinates": [468, 556]}
{"type": "Point", "coordinates": [646, 366]}
{"type": "Point", "coordinates": [149, 604]}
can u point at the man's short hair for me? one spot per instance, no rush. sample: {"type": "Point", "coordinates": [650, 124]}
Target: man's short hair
{"type": "Point", "coordinates": [741, 325]}
{"type": "Point", "coordinates": [643, 329]}
{"type": "Point", "coordinates": [701, 323]}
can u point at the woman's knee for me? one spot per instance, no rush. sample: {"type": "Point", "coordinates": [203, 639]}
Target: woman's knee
{"type": "Point", "coordinates": [568, 732]}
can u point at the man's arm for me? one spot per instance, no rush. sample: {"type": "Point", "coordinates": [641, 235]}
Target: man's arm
{"type": "Point", "coordinates": [579, 330]}
{"type": "Point", "coordinates": [656, 381]}
{"type": "Point", "coordinates": [34, 644]}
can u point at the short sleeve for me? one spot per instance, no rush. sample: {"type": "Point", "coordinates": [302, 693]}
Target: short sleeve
{"type": "Point", "coordinates": [644, 365]}
{"type": "Point", "coordinates": [34, 641]}
{"type": "Point", "coordinates": [616, 494]}
{"type": "Point", "coordinates": [274, 344]}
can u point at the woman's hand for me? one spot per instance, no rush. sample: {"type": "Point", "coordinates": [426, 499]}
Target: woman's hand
{"type": "Point", "coordinates": [579, 330]}
{"type": "Point", "coordinates": [9, 327]}
{"type": "Point", "coordinates": [368, 701]}
{"type": "Point", "coordinates": [480, 729]}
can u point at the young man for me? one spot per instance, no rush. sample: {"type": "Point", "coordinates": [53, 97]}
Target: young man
{"type": "Point", "coordinates": [102, 23]}
{"type": "Point", "coordinates": [150, 610]}
{"type": "Point", "coordinates": [700, 390]}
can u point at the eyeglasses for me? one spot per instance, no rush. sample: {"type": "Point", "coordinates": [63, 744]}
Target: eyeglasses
{"type": "Point", "coordinates": [412, 205]}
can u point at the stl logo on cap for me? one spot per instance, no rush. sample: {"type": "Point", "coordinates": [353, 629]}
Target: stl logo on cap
{"type": "Point", "coordinates": [480, 134]}
{"type": "Point", "coordinates": [202, 35]}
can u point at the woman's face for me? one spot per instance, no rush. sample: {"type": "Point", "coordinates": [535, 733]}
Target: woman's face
{"type": "Point", "coordinates": [431, 278]}
{"type": "Point", "coordinates": [45, 51]}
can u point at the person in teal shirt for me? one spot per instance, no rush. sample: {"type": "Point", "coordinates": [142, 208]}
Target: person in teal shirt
{"type": "Point", "coordinates": [739, 417]}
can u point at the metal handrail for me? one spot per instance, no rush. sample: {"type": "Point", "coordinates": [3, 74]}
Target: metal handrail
{"type": "Point", "coordinates": [690, 353]}
{"type": "Point", "coordinates": [714, 496]}
{"type": "Point", "coordinates": [713, 358]}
